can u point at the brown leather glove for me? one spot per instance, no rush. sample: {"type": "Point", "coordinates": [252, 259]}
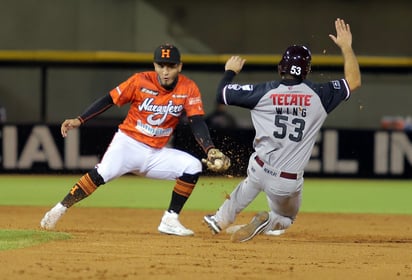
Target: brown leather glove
{"type": "Point", "coordinates": [216, 160]}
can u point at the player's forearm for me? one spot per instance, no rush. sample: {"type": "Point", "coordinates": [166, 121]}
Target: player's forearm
{"type": "Point", "coordinates": [201, 132]}
{"type": "Point", "coordinates": [227, 79]}
{"type": "Point", "coordinates": [96, 108]}
{"type": "Point", "coordinates": [351, 68]}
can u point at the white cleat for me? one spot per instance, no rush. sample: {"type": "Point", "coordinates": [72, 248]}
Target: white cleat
{"type": "Point", "coordinates": [170, 225]}
{"type": "Point", "coordinates": [51, 218]}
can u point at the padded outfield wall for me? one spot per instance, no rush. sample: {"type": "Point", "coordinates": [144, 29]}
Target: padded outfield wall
{"type": "Point", "coordinates": [337, 153]}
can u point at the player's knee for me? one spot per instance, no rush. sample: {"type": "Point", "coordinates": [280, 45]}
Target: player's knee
{"type": "Point", "coordinates": [285, 222]}
{"type": "Point", "coordinates": [96, 177]}
{"type": "Point", "coordinates": [193, 166]}
{"type": "Point", "coordinates": [190, 178]}
{"type": "Point", "coordinates": [278, 222]}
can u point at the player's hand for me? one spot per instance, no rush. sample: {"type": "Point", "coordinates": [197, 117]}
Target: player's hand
{"type": "Point", "coordinates": [68, 125]}
{"type": "Point", "coordinates": [343, 36]}
{"type": "Point", "coordinates": [235, 63]}
{"type": "Point", "coordinates": [216, 160]}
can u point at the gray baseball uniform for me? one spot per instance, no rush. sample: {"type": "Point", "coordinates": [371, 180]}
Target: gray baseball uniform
{"type": "Point", "coordinates": [287, 117]}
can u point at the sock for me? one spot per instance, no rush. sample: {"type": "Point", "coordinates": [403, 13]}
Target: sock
{"type": "Point", "coordinates": [82, 189]}
{"type": "Point", "coordinates": [180, 194]}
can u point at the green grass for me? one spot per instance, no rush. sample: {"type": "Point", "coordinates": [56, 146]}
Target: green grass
{"type": "Point", "coordinates": [357, 196]}
{"type": "Point", "coordinates": [15, 239]}
{"type": "Point", "coordinates": [320, 195]}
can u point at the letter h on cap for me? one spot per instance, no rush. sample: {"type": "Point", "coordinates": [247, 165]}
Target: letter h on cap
{"type": "Point", "coordinates": [165, 53]}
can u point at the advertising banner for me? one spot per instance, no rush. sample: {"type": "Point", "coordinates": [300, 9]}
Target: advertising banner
{"type": "Point", "coordinates": [337, 152]}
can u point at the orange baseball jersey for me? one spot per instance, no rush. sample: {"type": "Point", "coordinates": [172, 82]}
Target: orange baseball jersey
{"type": "Point", "coordinates": [154, 112]}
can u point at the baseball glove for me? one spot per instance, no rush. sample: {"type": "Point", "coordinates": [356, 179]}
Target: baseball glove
{"type": "Point", "coordinates": [216, 160]}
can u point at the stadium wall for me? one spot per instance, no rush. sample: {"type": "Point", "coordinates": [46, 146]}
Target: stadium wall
{"type": "Point", "coordinates": [337, 153]}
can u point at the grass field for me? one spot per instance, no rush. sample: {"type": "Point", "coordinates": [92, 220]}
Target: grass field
{"type": "Point", "coordinates": [320, 195]}
{"type": "Point", "coordinates": [14, 239]}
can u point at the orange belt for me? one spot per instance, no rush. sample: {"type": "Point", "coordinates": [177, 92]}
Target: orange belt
{"type": "Point", "coordinates": [286, 175]}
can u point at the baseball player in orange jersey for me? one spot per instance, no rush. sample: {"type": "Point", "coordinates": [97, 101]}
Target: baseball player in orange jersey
{"type": "Point", "coordinates": [157, 99]}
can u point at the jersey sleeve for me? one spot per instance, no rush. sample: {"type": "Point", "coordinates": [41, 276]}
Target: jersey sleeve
{"type": "Point", "coordinates": [247, 95]}
{"type": "Point", "coordinates": [123, 93]}
{"type": "Point", "coordinates": [332, 93]}
{"type": "Point", "coordinates": [194, 103]}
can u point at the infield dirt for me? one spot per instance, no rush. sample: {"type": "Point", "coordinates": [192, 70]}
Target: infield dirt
{"type": "Point", "coordinates": [124, 243]}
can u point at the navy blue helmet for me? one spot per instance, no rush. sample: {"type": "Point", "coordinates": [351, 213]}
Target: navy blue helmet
{"type": "Point", "coordinates": [295, 61]}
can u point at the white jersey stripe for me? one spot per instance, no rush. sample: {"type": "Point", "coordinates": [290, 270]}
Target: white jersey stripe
{"type": "Point", "coordinates": [347, 89]}
{"type": "Point", "coordinates": [118, 91]}
{"type": "Point", "coordinates": [224, 95]}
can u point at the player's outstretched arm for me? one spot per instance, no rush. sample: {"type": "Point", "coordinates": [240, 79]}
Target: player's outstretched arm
{"type": "Point", "coordinates": [233, 66]}
{"type": "Point", "coordinates": [95, 109]}
{"type": "Point", "coordinates": [343, 40]}
{"type": "Point", "coordinates": [68, 125]}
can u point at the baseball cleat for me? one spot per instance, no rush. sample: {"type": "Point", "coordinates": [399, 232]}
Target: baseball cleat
{"type": "Point", "coordinates": [170, 225]}
{"type": "Point", "coordinates": [51, 218]}
{"type": "Point", "coordinates": [212, 223]}
{"type": "Point", "coordinates": [257, 225]}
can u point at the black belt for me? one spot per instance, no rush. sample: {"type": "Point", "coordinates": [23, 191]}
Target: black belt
{"type": "Point", "coordinates": [286, 175]}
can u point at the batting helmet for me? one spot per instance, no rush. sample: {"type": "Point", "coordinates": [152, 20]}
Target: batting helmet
{"type": "Point", "coordinates": [295, 61]}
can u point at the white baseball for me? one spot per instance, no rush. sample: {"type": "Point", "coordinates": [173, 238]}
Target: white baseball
{"type": "Point", "coordinates": [218, 163]}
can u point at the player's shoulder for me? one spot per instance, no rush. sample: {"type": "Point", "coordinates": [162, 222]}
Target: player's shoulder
{"type": "Point", "coordinates": [333, 84]}
{"type": "Point", "coordinates": [141, 77]}
{"type": "Point", "coordinates": [186, 83]}
{"type": "Point", "coordinates": [270, 84]}
{"type": "Point", "coordinates": [145, 75]}
{"type": "Point", "coordinates": [185, 79]}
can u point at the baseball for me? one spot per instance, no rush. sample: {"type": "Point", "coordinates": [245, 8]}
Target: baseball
{"type": "Point", "coordinates": [218, 163]}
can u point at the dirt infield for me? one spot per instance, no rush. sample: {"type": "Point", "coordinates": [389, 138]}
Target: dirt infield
{"type": "Point", "coordinates": [125, 244]}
